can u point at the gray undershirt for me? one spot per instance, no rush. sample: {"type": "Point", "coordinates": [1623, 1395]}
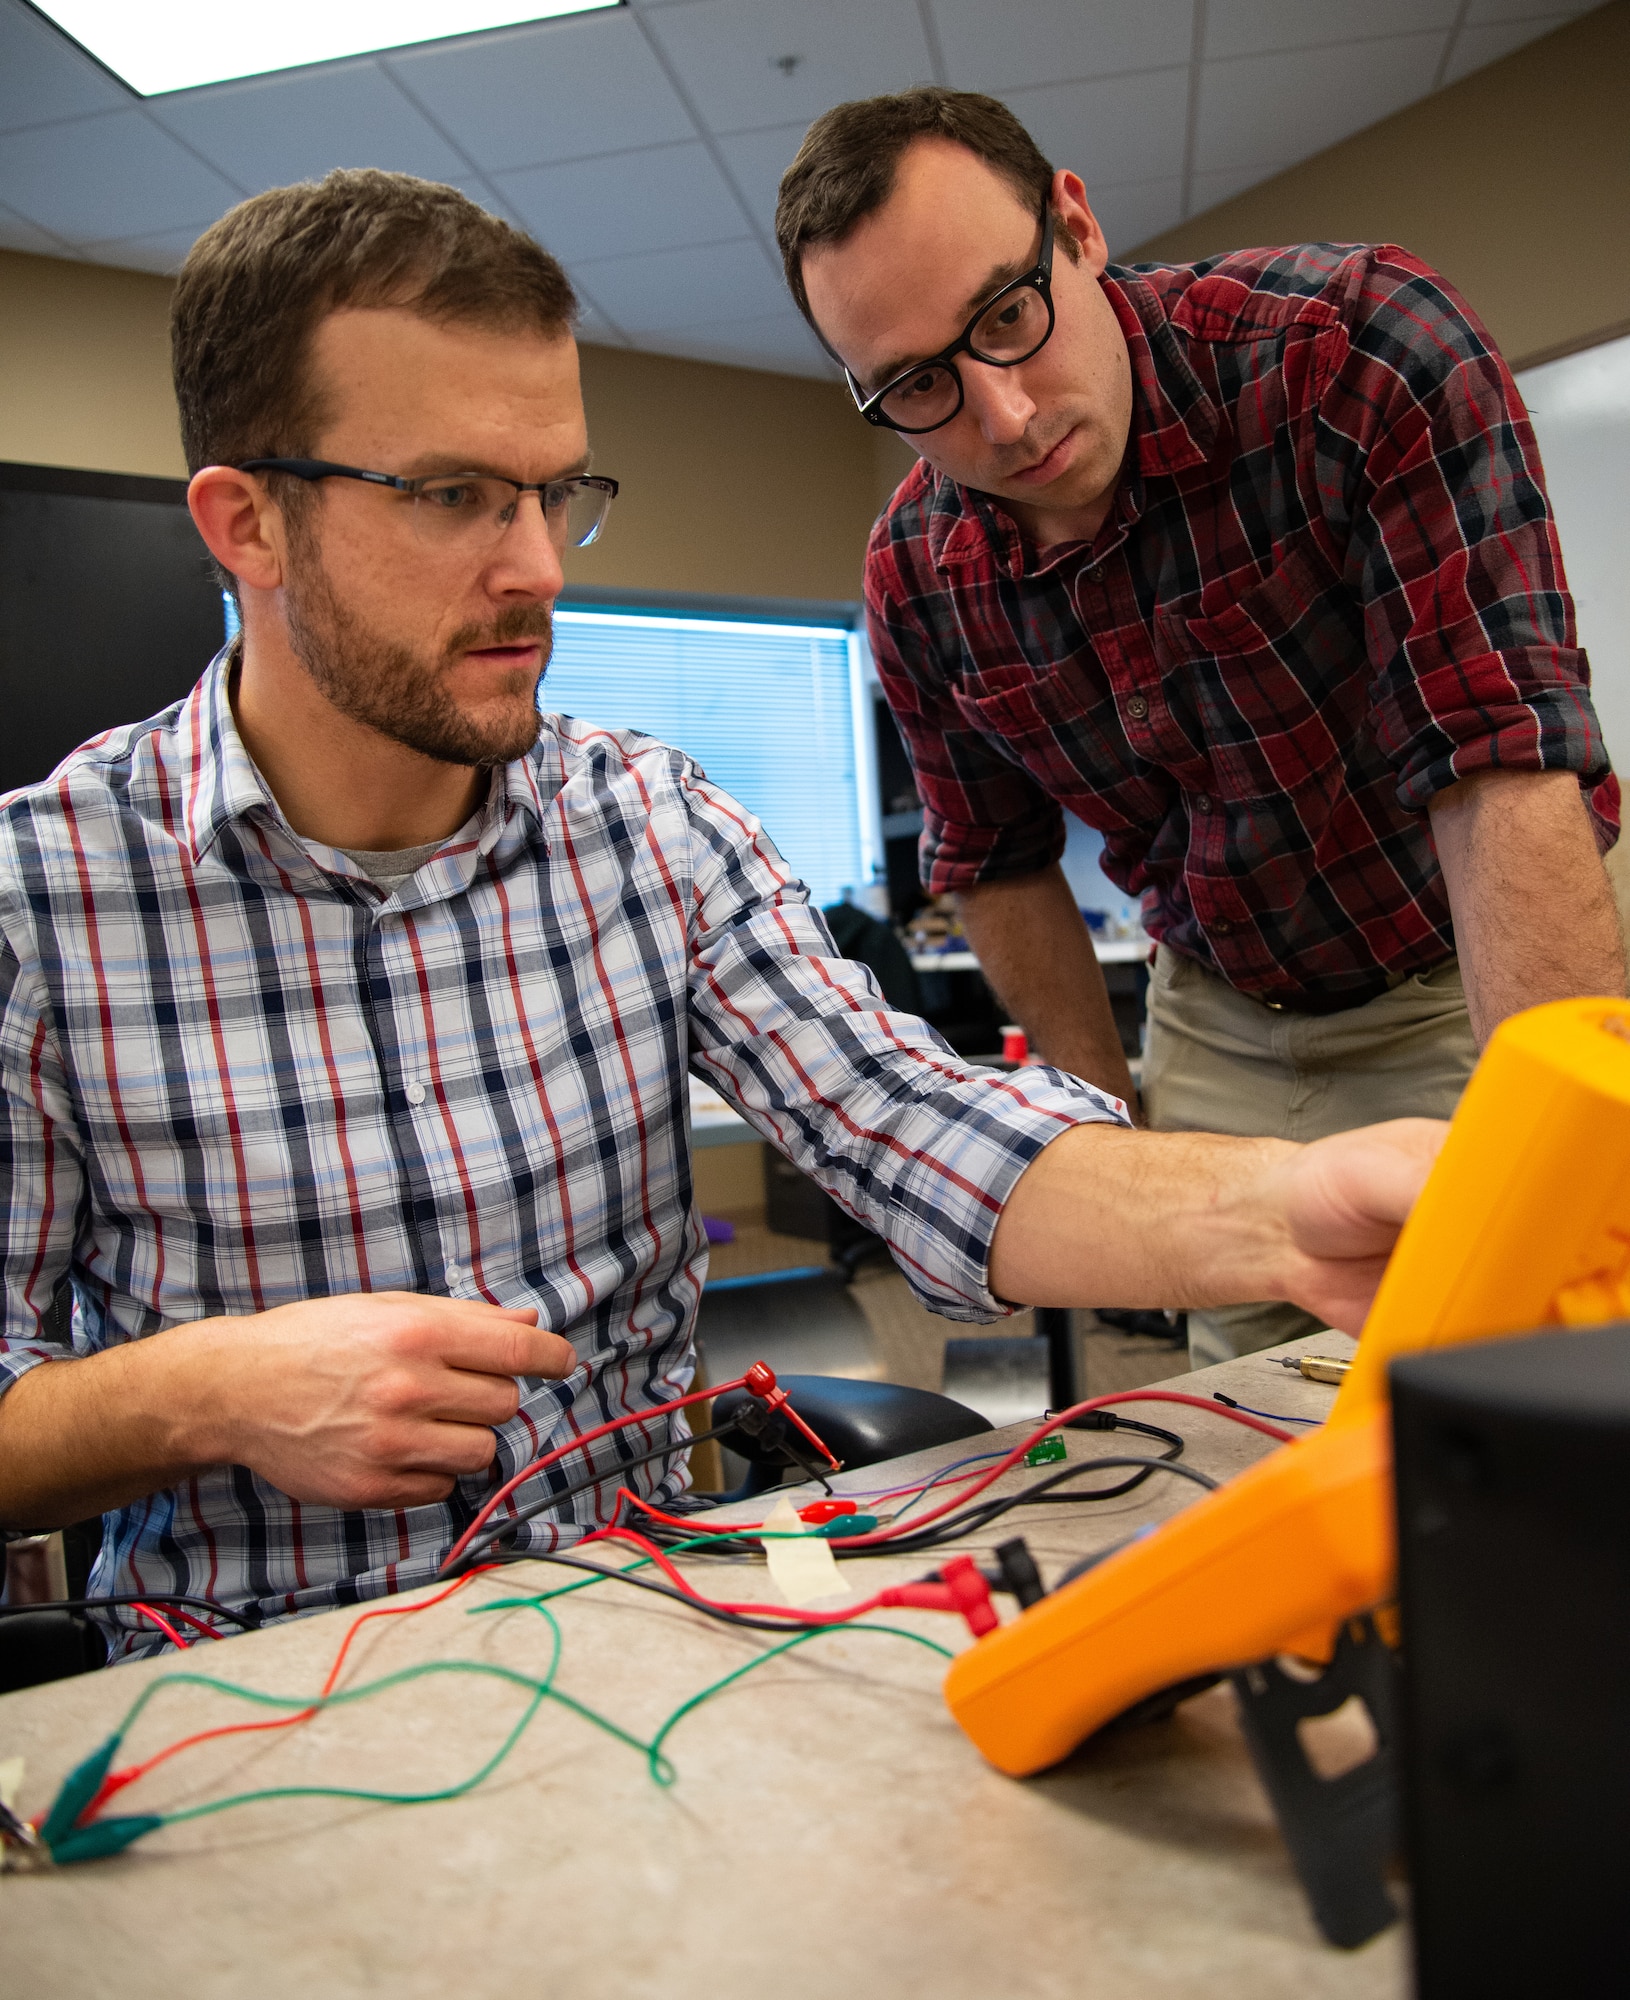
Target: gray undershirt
{"type": "Point", "coordinates": [389, 867]}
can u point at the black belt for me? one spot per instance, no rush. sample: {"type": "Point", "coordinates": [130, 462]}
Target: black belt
{"type": "Point", "coordinates": [1338, 1003]}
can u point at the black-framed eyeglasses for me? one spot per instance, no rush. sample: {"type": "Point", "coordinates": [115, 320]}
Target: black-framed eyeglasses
{"type": "Point", "coordinates": [1008, 328]}
{"type": "Point", "coordinates": [471, 510]}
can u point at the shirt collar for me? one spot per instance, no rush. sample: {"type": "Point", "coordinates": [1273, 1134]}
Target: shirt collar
{"type": "Point", "coordinates": [1174, 428]}
{"type": "Point", "coordinates": [223, 784]}
{"type": "Point", "coordinates": [1174, 422]}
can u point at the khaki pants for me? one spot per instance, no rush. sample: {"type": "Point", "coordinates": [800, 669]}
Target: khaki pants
{"type": "Point", "coordinates": [1220, 1062]}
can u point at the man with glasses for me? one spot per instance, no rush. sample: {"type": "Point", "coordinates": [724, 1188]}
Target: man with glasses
{"type": "Point", "coordinates": [1249, 565]}
{"type": "Point", "coordinates": [346, 1007]}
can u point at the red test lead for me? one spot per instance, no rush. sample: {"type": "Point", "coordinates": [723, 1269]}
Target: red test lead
{"type": "Point", "coordinates": [760, 1381]}
{"type": "Point", "coordinates": [960, 1588]}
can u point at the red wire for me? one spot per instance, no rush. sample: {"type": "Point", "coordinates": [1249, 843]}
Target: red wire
{"type": "Point", "coordinates": [198, 1624]}
{"type": "Point", "coordinates": [880, 1600]}
{"type": "Point", "coordinates": [116, 1781]}
{"type": "Point", "coordinates": [545, 1459]}
{"type": "Point", "coordinates": [898, 1529]}
{"type": "Point", "coordinates": [163, 1624]}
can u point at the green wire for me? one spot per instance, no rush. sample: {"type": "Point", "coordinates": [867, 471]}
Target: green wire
{"type": "Point", "coordinates": [653, 1750]}
{"type": "Point", "coordinates": [539, 1690]}
{"type": "Point", "coordinates": [661, 1770]}
{"type": "Point", "coordinates": [786, 1646]}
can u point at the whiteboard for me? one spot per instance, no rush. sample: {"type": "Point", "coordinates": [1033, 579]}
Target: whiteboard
{"type": "Point", "coordinates": [1580, 407]}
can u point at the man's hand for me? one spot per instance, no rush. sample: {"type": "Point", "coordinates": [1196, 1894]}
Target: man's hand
{"type": "Point", "coordinates": [378, 1399]}
{"type": "Point", "coordinates": [1344, 1200]}
{"type": "Point", "coordinates": [1192, 1219]}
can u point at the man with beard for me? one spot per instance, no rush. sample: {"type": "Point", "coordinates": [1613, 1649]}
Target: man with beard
{"type": "Point", "coordinates": [1248, 564]}
{"type": "Point", "coordinates": [346, 1007]}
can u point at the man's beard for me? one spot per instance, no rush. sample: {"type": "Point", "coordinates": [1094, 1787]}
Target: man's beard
{"type": "Point", "coordinates": [390, 687]}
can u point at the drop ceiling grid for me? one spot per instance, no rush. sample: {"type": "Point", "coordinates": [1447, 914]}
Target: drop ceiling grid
{"type": "Point", "coordinates": [644, 146]}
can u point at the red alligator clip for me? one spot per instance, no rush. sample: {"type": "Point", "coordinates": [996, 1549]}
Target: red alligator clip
{"type": "Point", "coordinates": [759, 1381]}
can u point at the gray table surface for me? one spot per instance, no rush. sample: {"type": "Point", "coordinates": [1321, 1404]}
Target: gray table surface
{"type": "Point", "coordinates": [831, 1832]}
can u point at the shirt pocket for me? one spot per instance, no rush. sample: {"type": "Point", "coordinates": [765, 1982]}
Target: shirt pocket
{"type": "Point", "coordinates": [1274, 679]}
{"type": "Point", "coordinates": [1057, 725]}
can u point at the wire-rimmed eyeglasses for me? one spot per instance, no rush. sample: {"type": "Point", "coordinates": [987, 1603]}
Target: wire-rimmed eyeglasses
{"type": "Point", "coordinates": [472, 509]}
{"type": "Point", "coordinates": [1008, 328]}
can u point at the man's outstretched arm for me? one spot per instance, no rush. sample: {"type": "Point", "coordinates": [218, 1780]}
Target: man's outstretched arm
{"type": "Point", "coordinates": [375, 1400]}
{"type": "Point", "coordinates": [1191, 1219]}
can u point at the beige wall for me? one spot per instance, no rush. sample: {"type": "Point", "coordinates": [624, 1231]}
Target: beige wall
{"type": "Point", "coordinates": [1514, 182]}
{"type": "Point", "coordinates": [85, 368]}
{"type": "Point", "coordinates": [734, 481]}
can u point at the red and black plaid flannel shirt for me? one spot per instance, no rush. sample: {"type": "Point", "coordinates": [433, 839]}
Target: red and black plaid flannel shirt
{"type": "Point", "coordinates": [1329, 587]}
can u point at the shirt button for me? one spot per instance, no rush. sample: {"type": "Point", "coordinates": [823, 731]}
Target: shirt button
{"type": "Point", "coordinates": [1220, 928]}
{"type": "Point", "coordinates": [1202, 802]}
{"type": "Point", "coordinates": [453, 1275]}
{"type": "Point", "coordinates": [1137, 707]}
{"type": "Point", "coordinates": [1096, 573]}
{"type": "Point", "coordinates": [414, 1092]}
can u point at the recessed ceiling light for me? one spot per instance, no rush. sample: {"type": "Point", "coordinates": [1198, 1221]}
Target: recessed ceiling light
{"type": "Point", "coordinates": [180, 44]}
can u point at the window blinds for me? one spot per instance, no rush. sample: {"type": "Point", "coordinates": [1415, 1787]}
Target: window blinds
{"type": "Point", "coordinates": [768, 711]}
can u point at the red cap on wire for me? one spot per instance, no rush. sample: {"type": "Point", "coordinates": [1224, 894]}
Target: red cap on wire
{"type": "Point", "coordinates": [760, 1381]}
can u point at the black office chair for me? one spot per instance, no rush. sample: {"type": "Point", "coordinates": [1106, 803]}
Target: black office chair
{"type": "Point", "coordinates": [43, 1642]}
{"type": "Point", "coordinates": [860, 1423]}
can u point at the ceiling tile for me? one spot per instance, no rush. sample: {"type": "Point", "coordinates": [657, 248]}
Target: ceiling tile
{"type": "Point", "coordinates": [1475, 47]}
{"type": "Point", "coordinates": [1038, 41]}
{"type": "Point", "coordinates": [1121, 129]}
{"type": "Point", "coordinates": [559, 91]}
{"type": "Point", "coordinates": [1211, 189]}
{"type": "Point", "coordinates": [1131, 214]}
{"type": "Point", "coordinates": [726, 52]}
{"type": "Point", "coordinates": [758, 160]}
{"type": "Point", "coordinates": [45, 76]}
{"type": "Point", "coordinates": [592, 324]}
{"type": "Point", "coordinates": [780, 343]}
{"type": "Point", "coordinates": [1281, 107]}
{"type": "Point", "coordinates": [1256, 27]}
{"type": "Point", "coordinates": [1481, 12]}
{"type": "Point", "coordinates": [278, 129]}
{"type": "Point", "coordinates": [165, 253]}
{"type": "Point", "coordinates": [116, 175]}
{"type": "Point", "coordinates": [674, 290]}
{"type": "Point", "coordinates": [663, 198]}
{"type": "Point", "coordinates": [18, 233]}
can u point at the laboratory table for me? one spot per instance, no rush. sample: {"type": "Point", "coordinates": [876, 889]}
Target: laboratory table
{"type": "Point", "coordinates": [829, 1831]}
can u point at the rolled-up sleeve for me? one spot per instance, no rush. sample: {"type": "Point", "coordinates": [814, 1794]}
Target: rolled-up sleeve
{"type": "Point", "coordinates": [1469, 624]}
{"type": "Point", "coordinates": [41, 1172]}
{"type": "Point", "coordinates": [919, 1145]}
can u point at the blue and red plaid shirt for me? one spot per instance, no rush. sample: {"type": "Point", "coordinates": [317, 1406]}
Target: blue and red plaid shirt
{"type": "Point", "coordinates": [1329, 587]}
{"type": "Point", "coordinates": [234, 1075]}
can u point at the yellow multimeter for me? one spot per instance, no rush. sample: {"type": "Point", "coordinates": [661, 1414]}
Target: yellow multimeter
{"type": "Point", "coordinates": [1524, 1223]}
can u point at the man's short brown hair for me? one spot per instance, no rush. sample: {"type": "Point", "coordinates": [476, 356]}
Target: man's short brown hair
{"type": "Point", "coordinates": [256, 285]}
{"type": "Point", "coordinates": [846, 166]}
